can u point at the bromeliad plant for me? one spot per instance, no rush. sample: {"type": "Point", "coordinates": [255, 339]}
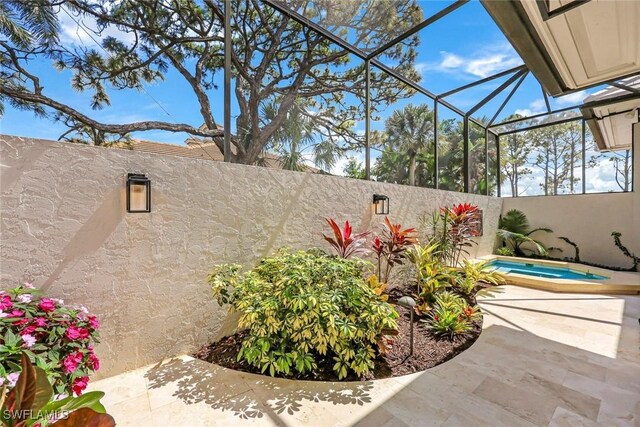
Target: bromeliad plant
{"type": "Point", "coordinates": [300, 308]}
{"type": "Point", "coordinates": [473, 272]}
{"type": "Point", "coordinates": [452, 315]}
{"type": "Point", "coordinates": [59, 339]}
{"type": "Point", "coordinates": [391, 247]}
{"type": "Point", "coordinates": [345, 243]}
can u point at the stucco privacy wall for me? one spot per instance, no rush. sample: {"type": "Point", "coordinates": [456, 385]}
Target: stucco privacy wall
{"type": "Point", "coordinates": [64, 224]}
{"type": "Point", "coordinates": [588, 220]}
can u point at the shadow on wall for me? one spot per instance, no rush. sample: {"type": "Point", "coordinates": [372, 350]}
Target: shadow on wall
{"type": "Point", "coordinates": [93, 233]}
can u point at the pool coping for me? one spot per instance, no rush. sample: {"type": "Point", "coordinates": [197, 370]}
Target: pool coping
{"type": "Point", "coordinates": [617, 282]}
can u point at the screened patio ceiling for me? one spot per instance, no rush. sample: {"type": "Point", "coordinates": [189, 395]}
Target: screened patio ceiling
{"type": "Point", "coordinates": [604, 49]}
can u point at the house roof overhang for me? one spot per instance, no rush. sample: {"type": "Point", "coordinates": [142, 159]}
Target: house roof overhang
{"type": "Point", "coordinates": [571, 45]}
{"type": "Point", "coordinates": [611, 114]}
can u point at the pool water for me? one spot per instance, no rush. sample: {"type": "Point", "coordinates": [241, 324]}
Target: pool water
{"type": "Point", "coordinates": [544, 271]}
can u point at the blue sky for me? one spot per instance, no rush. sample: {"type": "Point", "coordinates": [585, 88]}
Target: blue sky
{"type": "Point", "coordinates": [463, 47]}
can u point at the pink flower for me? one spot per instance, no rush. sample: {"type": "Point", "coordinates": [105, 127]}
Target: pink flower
{"type": "Point", "coordinates": [20, 322]}
{"type": "Point", "coordinates": [40, 322]}
{"type": "Point", "coordinates": [28, 285]}
{"type": "Point", "coordinates": [79, 384]}
{"type": "Point", "coordinates": [16, 313]}
{"type": "Point", "coordinates": [28, 330]}
{"type": "Point", "coordinates": [13, 379]}
{"type": "Point", "coordinates": [95, 362]}
{"type": "Point", "coordinates": [75, 333]}
{"type": "Point", "coordinates": [25, 298]}
{"type": "Point", "coordinates": [70, 363]}
{"type": "Point", "coordinates": [29, 340]}
{"type": "Point", "coordinates": [5, 302]}
{"type": "Point", "coordinates": [47, 305]}
{"type": "Point", "coordinates": [93, 322]}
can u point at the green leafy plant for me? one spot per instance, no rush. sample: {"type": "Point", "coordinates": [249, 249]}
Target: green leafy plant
{"type": "Point", "coordinates": [345, 243]}
{"type": "Point", "coordinates": [576, 258]}
{"type": "Point", "coordinates": [448, 322]}
{"type": "Point", "coordinates": [300, 308]}
{"type": "Point", "coordinates": [618, 242]}
{"type": "Point", "coordinates": [452, 315]}
{"type": "Point", "coordinates": [480, 271]}
{"type": "Point", "coordinates": [432, 275]}
{"type": "Point", "coordinates": [58, 338]}
{"type": "Point", "coordinates": [29, 403]}
{"type": "Point", "coordinates": [505, 251]}
{"type": "Point", "coordinates": [515, 232]}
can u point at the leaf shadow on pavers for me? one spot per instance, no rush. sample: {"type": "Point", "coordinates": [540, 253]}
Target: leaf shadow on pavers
{"type": "Point", "coordinates": [195, 381]}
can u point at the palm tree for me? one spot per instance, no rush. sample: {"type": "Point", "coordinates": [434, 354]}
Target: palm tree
{"type": "Point", "coordinates": [410, 131]}
{"type": "Point", "coordinates": [514, 228]}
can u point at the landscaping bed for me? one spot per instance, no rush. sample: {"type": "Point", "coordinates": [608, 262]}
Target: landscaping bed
{"type": "Point", "coordinates": [429, 350]}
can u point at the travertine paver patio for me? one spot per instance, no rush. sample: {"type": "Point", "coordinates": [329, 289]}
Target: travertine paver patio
{"type": "Point", "coordinates": [542, 359]}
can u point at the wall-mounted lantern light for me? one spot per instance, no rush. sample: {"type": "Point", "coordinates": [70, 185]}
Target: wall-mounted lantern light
{"type": "Point", "coordinates": [138, 193]}
{"type": "Point", "coordinates": [381, 202]}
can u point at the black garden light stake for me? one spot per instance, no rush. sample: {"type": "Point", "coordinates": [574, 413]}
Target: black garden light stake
{"type": "Point", "coordinates": [138, 193]}
{"type": "Point", "coordinates": [410, 303]}
{"type": "Point", "coordinates": [381, 202]}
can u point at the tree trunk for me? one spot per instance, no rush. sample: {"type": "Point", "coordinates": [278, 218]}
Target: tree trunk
{"type": "Point", "coordinates": [412, 168]}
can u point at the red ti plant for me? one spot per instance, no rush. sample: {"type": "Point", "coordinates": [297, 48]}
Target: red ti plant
{"type": "Point", "coordinates": [461, 224]}
{"type": "Point", "coordinates": [344, 241]}
{"type": "Point", "coordinates": [392, 246]}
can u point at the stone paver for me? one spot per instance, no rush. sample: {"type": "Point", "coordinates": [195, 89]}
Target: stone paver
{"type": "Point", "coordinates": [542, 359]}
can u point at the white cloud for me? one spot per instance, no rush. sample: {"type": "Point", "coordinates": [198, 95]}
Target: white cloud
{"type": "Point", "coordinates": [574, 98]}
{"type": "Point", "coordinates": [82, 30]}
{"type": "Point", "coordinates": [535, 107]}
{"type": "Point", "coordinates": [493, 60]}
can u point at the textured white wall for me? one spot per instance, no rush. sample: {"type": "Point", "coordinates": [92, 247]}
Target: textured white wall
{"type": "Point", "coordinates": [64, 224]}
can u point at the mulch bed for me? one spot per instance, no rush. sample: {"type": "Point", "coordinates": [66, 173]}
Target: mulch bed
{"type": "Point", "coordinates": [429, 350]}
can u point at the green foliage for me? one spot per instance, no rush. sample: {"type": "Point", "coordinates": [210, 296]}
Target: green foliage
{"type": "Point", "coordinates": [301, 307]}
{"type": "Point", "coordinates": [618, 242]}
{"type": "Point", "coordinates": [515, 232]}
{"type": "Point", "coordinates": [452, 315]}
{"type": "Point", "coordinates": [479, 271]}
{"type": "Point", "coordinates": [29, 403]}
{"type": "Point", "coordinates": [432, 275]}
{"type": "Point", "coordinates": [576, 258]}
{"type": "Point", "coordinates": [504, 251]}
{"type": "Point", "coordinates": [58, 338]}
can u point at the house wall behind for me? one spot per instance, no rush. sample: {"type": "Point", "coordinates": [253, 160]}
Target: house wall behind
{"type": "Point", "coordinates": [64, 225]}
{"type": "Point", "coordinates": [588, 220]}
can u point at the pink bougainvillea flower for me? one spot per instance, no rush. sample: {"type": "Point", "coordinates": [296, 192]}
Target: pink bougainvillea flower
{"type": "Point", "coordinates": [40, 322]}
{"type": "Point", "coordinates": [29, 340]}
{"type": "Point", "coordinates": [47, 305]}
{"type": "Point", "coordinates": [93, 322]}
{"type": "Point", "coordinates": [16, 313]}
{"type": "Point", "coordinates": [71, 362]}
{"type": "Point", "coordinates": [95, 362]}
{"type": "Point", "coordinates": [3, 314]}
{"type": "Point", "coordinates": [28, 285]}
{"type": "Point", "coordinates": [79, 384]}
{"type": "Point", "coordinates": [5, 302]}
{"type": "Point", "coordinates": [25, 298]}
{"type": "Point", "coordinates": [20, 322]}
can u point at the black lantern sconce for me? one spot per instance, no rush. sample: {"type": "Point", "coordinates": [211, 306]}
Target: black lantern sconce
{"type": "Point", "coordinates": [138, 193]}
{"type": "Point", "coordinates": [381, 203]}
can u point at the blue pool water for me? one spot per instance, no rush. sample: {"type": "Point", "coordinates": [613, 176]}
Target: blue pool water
{"type": "Point", "coordinates": [531, 269]}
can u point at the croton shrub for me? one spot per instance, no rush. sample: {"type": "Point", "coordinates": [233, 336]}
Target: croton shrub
{"type": "Point", "coordinates": [306, 307]}
{"type": "Point", "coordinates": [56, 337]}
